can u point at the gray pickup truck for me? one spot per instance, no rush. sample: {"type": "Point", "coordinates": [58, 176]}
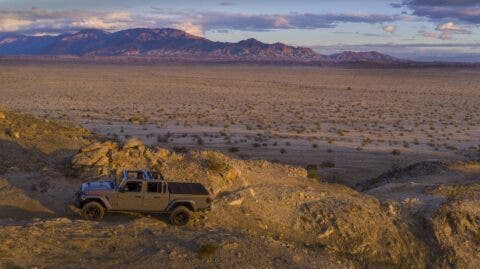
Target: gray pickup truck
{"type": "Point", "coordinates": [142, 191]}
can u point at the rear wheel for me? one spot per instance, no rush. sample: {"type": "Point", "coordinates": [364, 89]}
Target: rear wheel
{"type": "Point", "coordinates": [180, 216]}
{"type": "Point", "coordinates": [93, 211]}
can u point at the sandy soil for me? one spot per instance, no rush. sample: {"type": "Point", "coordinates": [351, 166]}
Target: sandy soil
{"type": "Point", "coordinates": [351, 123]}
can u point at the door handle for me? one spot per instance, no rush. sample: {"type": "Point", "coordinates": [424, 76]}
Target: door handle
{"type": "Point", "coordinates": [157, 196]}
{"type": "Point", "coordinates": [138, 196]}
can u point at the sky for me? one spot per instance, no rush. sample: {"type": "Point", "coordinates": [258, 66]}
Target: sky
{"type": "Point", "coordinates": [413, 29]}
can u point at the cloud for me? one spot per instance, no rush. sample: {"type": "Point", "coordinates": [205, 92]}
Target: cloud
{"type": "Point", "coordinates": [227, 3]}
{"type": "Point", "coordinates": [453, 28]}
{"type": "Point", "coordinates": [189, 27]}
{"type": "Point", "coordinates": [195, 22]}
{"type": "Point", "coordinates": [441, 2]}
{"type": "Point", "coordinates": [12, 24]}
{"type": "Point", "coordinates": [267, 22]}
{"type": "Point", "coordinates": [460, 10]}
{"type": "Point", "coordinates": [389, 28]}
{"type": "Point", "coordinates": [40, 20]}
{"type": "Point", "coordinates": [446, 31]}
{"type": "Point", "coordinates": [434, 35]}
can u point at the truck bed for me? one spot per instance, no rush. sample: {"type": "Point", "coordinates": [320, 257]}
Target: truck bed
{"type": "Point", "coordinates": [187, 188]}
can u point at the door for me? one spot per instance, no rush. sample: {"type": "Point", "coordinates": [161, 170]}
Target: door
{"type": "Point", "coordinates": [130, 198]}
{"type": "Point", "coordinates": [156, 197]}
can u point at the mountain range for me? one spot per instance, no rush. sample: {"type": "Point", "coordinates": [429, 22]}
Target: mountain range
{"type": "Point", "coordinates": [171, 43]}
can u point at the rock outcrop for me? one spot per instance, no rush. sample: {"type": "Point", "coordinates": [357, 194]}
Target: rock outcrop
{"type": "Point", "coordinates": [110, 158]}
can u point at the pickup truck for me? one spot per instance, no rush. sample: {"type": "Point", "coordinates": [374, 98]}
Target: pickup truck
{"type": "Point", "coordinates": [142, 191]}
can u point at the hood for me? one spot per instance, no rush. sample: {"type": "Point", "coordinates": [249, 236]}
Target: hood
{"type": "Point", "coordinates": [96, 187]}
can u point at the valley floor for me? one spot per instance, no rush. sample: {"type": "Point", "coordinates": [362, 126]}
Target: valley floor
{"type": "Point", "coordinates": [350, 123]}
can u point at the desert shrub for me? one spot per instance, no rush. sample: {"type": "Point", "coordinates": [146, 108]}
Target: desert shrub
{"type": "Point", "coordinates": [8, 131]}
{"type": "Point", "coordinates": [395, 152]}
{"type": "Point", "coordinates": [233, 149]}
{"type": "Point", "coordinates": [366, 141]}
{"type": "Point", "coordinates": [137, 119]}
{"type": "Point", "coordinates": [327, 164]}
{"type": "Point", "coordinates": [215, 163]}
{"type": "Point", "coordinates": [312, 171]}
{"type": "Point", "coordinates": [283, 151]}
{"type": "Point", "coordinates": [207, 250]}
{"type": "Point", "coordinates": [452, 148]}
{"type": "Point", "coordinates": [180, 149]}
{"type": "Point", "coordinates": [162, 139]}
{"type": "Point", "coordinates": [397, 163]}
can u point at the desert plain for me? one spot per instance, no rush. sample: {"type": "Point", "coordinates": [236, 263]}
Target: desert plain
{"type": "Point", "coordinates": [351, 123]}
{"type": "Point", "coordinates": [310, 166]}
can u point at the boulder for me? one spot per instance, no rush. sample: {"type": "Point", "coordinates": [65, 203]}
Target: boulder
{"type": "Point", "coordinates": [134, 143]}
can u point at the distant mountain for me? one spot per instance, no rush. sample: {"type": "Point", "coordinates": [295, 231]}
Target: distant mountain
{"type": "Point", "coordinates": [171, 43]}
{"type": "Point", "coordinates": [359, 57]}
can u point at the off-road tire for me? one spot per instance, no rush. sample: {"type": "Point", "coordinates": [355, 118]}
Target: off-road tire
{"type": "Point", "coordinates": [180, 216]}
{"type": "Point", "coordinates": [93, 211]}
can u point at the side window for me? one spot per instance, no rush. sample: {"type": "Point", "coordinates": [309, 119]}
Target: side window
{"type": "Point", "coordinates": [156, 175]}
{"type": "Point", "coordinates": [153, 187]}
{"type": "Point", "coordinates": [164, 187]}
{"type": "Point", "coordinates": [133, 186]}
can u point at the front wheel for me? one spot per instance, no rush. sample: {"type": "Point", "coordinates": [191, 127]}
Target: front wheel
{"type": "Point", "coordinates": [180, 216]}
{"type": "Point", "coordinates": [93, 211]}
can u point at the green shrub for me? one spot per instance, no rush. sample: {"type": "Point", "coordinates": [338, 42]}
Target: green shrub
{"type": "Point", "coordinates": [327, 164]}
{"type": "Point", "coordinates": [180, 149]}
{"type": "Point", "coordinates": [395, 152]}
{"type": "Point", "coordinates": [312, 171]}
{"type": "Point", "coordinates": [207, 250]}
